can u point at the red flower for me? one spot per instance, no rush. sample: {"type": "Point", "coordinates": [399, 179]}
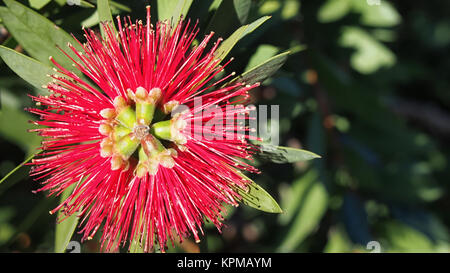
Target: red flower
{"type": "Point", "coordinates": [142, 172]}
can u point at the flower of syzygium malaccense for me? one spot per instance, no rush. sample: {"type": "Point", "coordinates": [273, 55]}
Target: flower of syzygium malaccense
{"type": "Point", "coordinates": [140, 172]}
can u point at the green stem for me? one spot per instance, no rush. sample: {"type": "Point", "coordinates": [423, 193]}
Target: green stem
{"type": "Point", "coordinates": [17, 167]}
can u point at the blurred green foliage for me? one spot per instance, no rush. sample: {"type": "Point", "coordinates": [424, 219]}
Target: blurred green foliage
{"type": "Point", "coordinates": [365, 85]}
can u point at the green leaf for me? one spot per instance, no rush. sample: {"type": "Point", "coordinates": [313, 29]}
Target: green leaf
{"type": "Point", "coordinates": [314, 202]}
{"type": "Point", "coordinates": [173, 9]}
{"type": "Point", "coordinates": [338, 241]}
{"type": "Point", "coordinates": [231, 41]}
{"type": "Point", "coordinates": [214, 5]}
{"type": "Point", "coordinates": [119, 6]}
{"type": "Point", "coordinates": [334, 10]}
{"type": "Point", "coordinates": [104, 15]}
{"type": "Point", "coordinates": [261, 55]}
{"type": "Point", "coordinates": [280, 154]}
{"type": "Point", "coordinates": [383, 15]}
{"type": "Point", "coordinates": [36, 34]}
{"type": "Point", "coordinates": [86, 4]}
{"type": "Point", "coordinates": [370, 54]}
{"type": "Point", "coordinates": [14, 126]}
{"type": "Point", "coordinates": [242, 8]}
{"type": "Point", "coordinates": [225, 19]}
{"type": "Point", "coordinates": [91, 20]}
{"type": "Point", "coordinates": [263, 71]}
{"type": "Point", "coordinates": [290, 9]}
{"type": "Point", "coordinates": [38, 4]}
{"type": "Point", "coordinates": [135, 247]}
{"type": "Point", "coordinates": [80, 3]}
{"type": "Point", "coordinates": [256, 197]}
{"type": "Point", "coordinates": [32, 71]}
{"type": "Point", "coordinates": [403, 238]}
{"type": "Point", "coordinates": [290, 200]}
{"type": "Point", "coordinates": [65, 229]}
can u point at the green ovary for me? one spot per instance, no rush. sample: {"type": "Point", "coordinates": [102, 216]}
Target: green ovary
{"type": "Point", "coordinates": [133, 136]}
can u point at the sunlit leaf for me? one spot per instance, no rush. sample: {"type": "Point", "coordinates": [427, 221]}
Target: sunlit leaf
{"type": "Point", "coordinates": [280, 154]}
{"type": "Point", "coordinates": [38, 4]}
{"type": "Point", "coordinates": [262, 54]}
{"type": "Point", "coordinates": [290, 9]}
{"type": "Point", "coordinates": [81, 3]}
{"type": "Point", "coordinates": [334, 10]}
{"type": "Point", "coordinates": [91, 20]}
{"type": "Point", "coordinates": [242, 8]}
{"type": "Point", "coordinates": [423, 221]}
{"type": "Point", "coordinates": [403, 238]}
{"type": "Point", "coordinates": [338, 241]}
{"type": "Point", "coordinates": [291, 201]}
{"type": "Point", "coordinates": [65, 229]}
{"type": "Point", "coordinates": [256, 197]}
{"type": "Point", "coordinates": [313, 205]}
{"type": "Point", "coordinates": [370, 54]}
{"type": "Point", "coordinates": [377, 15]}
{"type": "Point", "coordinates": [36, 34]}
{"type": "Point", "coordinates": [382, 15]}
{"type": "Point", "coordinates": [231, 41]}
{"type": "Point", "coordinates": [32, 71]}
{"type": "Point", "coordinates": [173, 9]}
{"type": "Point", "coordinates": [264, 70]}
{"type": "Point", "coordinates": [86, 4]}
{"type": "Point", "coordinates": [104, 14]}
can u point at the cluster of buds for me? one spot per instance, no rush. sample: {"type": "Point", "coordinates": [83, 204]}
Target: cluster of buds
{"type": "Point", "coordinates": [131, 136]}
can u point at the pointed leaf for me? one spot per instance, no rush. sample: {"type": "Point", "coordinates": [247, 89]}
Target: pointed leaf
{"type": "Point", "coordinates": [173, 9]}
{"type": "Point", "coordinates": [32, 71]}
{"type": "Point", "coordinates": [291, 201]}
{"type": "Point", "coordinates": [231, 41]}
{"type": "Point", "coordinates": [264, 70]}
{"type": "Point", "coordinates": [314, 202]}
{"type": "Point", "coordinates": [256, 197]}
{"type": "Point", "coordinates": [36, 34]}
{"type": "Point", "coordinates": [38, 4]}
{"type": "Point", "coordinates": [242, 9]}
{"type": "Point", "coordinates": [261, 55]}
{"type": "Point", "coordinates": [86, 4]}
{"type": "Point", "coordinates": [104, 14]}
{"type": "Point", "coordinates": [65, 229]}
{"type": "Point", "coordinates": [280, 154]}
{"type": "Point", "coordinates": [334, 10]}
{"type": "Point", "coordinates": [228, 16]}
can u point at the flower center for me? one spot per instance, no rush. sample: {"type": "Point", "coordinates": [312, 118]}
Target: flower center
{"type": "Point", "coordinates": [141, 131]}
{"type": "Point", "coordinates": [131, 133]}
